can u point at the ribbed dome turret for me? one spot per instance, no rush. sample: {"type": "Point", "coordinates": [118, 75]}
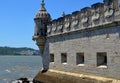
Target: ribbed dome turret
{"type": "Point", "coordinates": [43, 14]}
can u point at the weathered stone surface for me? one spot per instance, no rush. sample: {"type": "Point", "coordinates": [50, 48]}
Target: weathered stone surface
{"type": "Point", "coordinates": [55, 76]}
{"type": "Point", "coordinates": [90, 42]}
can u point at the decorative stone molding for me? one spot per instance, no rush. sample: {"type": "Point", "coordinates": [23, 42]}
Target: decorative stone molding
{"type": "Point", "coordinates": [86, 16]}
{"type": "Point", "coordinates": [98, 14]}
{"type": "Point", "coordinates": [54, 28]}
{"type": "Point", "coordinates": [67, 26]}
{"type": "Point", "coordinates": [49, 29]}
{"type": "Point", "coordinates": [75, 23]}
{"type": "Point", "coordinates": [67, 23]}
{"type": "Point", "coordinates": [60, 25]}
{"type": "Point", "coordinates": [95, 16]}
{"type": "Point", "coordinates": [74, 20]}
{"type": "Point", "coordinates": [109, 10]}
{"type": "Point", "coordinates": [108, 13]}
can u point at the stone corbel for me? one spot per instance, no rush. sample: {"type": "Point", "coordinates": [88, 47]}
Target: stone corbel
{"type": "Point", "coordinates": [41, 43]}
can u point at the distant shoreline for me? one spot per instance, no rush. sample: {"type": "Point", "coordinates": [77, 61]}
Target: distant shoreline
{"type": "Point", "coordinates": [19, 55]}
{"type": "Point", "coordinates": [18, 51]}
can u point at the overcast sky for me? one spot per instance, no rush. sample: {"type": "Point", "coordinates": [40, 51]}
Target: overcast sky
{"type": "Point", "coordinates": [16, 18]}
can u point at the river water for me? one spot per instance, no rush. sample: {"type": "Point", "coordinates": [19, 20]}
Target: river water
{"type": "Point", "coordinates": [15, 67]}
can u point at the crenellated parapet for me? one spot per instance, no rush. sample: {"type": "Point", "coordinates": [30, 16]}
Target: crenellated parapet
{"type": "Point", "coordinates": [60, 24]}
{"type": "Point", "coordinates": [98, 14]}
{"type": "Point", "coordinates": [86, 15]}
{"type": "Point", "coordinates": [67, 23]}
{"type": "Point", "coordinates": [74, 20]}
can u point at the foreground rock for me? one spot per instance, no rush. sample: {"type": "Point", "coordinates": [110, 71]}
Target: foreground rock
{"type": "Point", "coordinates": [25, 80]}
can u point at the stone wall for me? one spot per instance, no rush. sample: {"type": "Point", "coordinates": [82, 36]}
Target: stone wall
{"type": "Point", "coordinates": [98, 40]}
{"type": "Point", "coordinates": [86, 41]}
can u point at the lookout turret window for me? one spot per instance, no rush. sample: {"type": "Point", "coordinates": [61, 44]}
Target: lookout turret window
{"type": "Point", "coordinates": [51, 57]}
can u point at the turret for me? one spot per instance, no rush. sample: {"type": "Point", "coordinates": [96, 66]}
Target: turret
{"type": "Point", "coordinates": [41, 19]}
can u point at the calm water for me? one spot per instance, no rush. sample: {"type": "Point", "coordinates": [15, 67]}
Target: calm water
{"type": "Point", "coordinates": [14, 67]}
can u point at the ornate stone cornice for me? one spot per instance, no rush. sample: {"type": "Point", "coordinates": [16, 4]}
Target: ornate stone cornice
{"type": "Point", "coordinates": [98, 14]}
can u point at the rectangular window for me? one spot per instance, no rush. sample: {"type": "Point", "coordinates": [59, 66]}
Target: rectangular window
{"type": "Point", "coordinates": [63, 57]}
{"type": "Point", "coordinates": [51, 57]}
{"type": "Point", "coordinates": [79, 58]}
{"type": "Point", "coordinates": [101, 59]}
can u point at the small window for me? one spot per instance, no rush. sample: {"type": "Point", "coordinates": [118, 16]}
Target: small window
{"type": "Point", "coordinates": [51, 57]}
{"type": "Point", "coordinates": [63, 57]}
{"type": "Point", "coordinates": [101, 59]}
{"type": "Point", "coordinates": [37, 34]}
{"type": "Point", "coordinates": [79, 58]}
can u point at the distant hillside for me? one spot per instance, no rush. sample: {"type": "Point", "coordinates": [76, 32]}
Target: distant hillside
{"type": "Point", "coordinates": [18, 51]}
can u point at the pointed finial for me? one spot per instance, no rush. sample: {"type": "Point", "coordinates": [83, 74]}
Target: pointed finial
{"type": "Point", "coordinates": [63, 14]}
{"type": "Point", "coordinates": [43, 5]}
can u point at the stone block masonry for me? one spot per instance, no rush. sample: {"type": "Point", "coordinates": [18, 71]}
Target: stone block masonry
{"type": "Point", "coordinates": [101, 53]}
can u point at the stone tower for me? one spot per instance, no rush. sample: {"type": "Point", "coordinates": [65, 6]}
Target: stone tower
{"type": "Point", "coordinates": [41, 19]}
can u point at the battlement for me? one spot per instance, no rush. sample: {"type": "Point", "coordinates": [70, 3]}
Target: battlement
{"type": "Point", "coordinates": [98, 14]}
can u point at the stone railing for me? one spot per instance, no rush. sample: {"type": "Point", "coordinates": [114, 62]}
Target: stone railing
{"type": "Point", "coordinates": [89, 17]}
